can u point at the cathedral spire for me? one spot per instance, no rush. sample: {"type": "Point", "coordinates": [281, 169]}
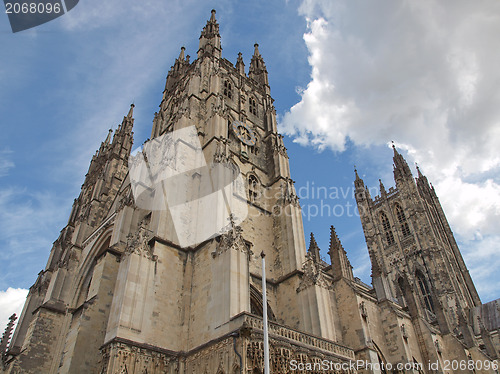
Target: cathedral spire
{"type": "Point", "coordinates": [314, 249]}
{"type": "Point", "coordinates": [210, 38]}
{"type": "Point", "coordinates": [123, 138]}
{"type": "Point", "coordinates": [401, 168]}
{"type": "Point", "coordinates": [358, 182]}
{"type": "Point", "coordinates": [341, 266]}
{"type": "Point", "coordinates": [258, 69]}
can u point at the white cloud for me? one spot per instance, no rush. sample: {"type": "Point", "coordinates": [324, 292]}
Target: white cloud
{"type": "Point", "coordinates": [481, 256]}
{"type": "Point", "coordinates": [11, 301]}
{"type": "Point", "coordinates": [5, 162]}
{"type": "Point", "coordinates": [421, 73]}
{"type": "Point", "coordinates": [27, 219]}
{"type": "Point", "coordinates": [29, 223]}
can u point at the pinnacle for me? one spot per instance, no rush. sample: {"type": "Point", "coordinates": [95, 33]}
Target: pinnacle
{"type": "Point", "coordinates": [181, 55]}
{"type": "Point", "coordinates": [240, 57]}
{"type": "Point", "coordinates": [382, 188]}
{"type": "Point", "coordinates": [256, 50]}
{"type": "Point", "coordinates": [334, 240]}
{"type": "Point", "coordinates": [314, 249]}
{"type": "Point", "coordinates": [313, 243]}
{"type": "Point", "coordinates": [418, 171]}
{"type": "Point", "coordinates": [108, 138]}
{"type": "Point", "coordinates": [131, 111]}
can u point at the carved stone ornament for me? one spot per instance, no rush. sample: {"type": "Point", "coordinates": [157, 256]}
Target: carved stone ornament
{"type": "Point", "coordinates": [231, 238]}
{"type": "Point", "coordinates": [220, 155]}
{"type": "Point", "coordinates": [282, 354]}
{"type": "Point", "coordinates": [362, 309]}
{"type": "Point", "coordinates": [288, 195]}
{"type": "Point", "coordinates": [313, 276]}
{"type": "Point", "coordinates": [279, 146]}
{"type": "Point", "coordinates": [139, 243]}
{"type": "Point", "coordinates": [129, 359]}
{"type": "Point", "coordinates": [219, 106]}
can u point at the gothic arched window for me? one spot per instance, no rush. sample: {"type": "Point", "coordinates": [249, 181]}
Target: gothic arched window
{"type": "Point", "coordinates": [253, 185]}
{"type": "Point", "coordinates": [402, 220]}
{"type": "Point", "coordinates": [387, 228]}
{"type": "Point", "coordinates": [227, 89]}
{"type": "Point", "coordinates": [253, 106]}
{"type": "Point", "coordinates": [425, 291]}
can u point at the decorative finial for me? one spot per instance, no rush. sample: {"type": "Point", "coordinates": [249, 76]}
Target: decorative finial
{"type": "Point", "coordinates": [256, 50]}
{"type": "Point", "coordinates": [181, 55]}
{"type": "Point", "coordinates": [108, 138]}
{"type": "Point", "coordinates": [212, 17]}
{"type": "Point", "coordinates": [131, 111]}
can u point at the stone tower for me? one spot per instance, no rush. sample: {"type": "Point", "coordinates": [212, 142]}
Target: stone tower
{"type": "Point", "coordinates": [415, 259]}
{"type": "Point", "coordinates": [121, 294]}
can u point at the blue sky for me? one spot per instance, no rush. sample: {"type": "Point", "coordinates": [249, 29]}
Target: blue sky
{"type": "Point", "coordinates": [347, 76]}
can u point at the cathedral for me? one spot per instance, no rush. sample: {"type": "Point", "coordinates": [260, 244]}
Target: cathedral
{"type": "Point", "coordinates": [129, 287]}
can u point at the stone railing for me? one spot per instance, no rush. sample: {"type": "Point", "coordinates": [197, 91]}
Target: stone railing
{"type": "Point", "coordinates": [300, 338]}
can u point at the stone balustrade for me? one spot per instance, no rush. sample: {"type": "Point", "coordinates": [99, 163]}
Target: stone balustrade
{"type": "Point", "coordinates": [280, 331]}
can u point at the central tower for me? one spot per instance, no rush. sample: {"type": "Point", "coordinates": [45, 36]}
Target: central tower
{"type": "Point", "coordinates": [236, 124]}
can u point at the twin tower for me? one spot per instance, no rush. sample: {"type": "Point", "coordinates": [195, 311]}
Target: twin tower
{"type": "Point", "coordinates": [123, 293]}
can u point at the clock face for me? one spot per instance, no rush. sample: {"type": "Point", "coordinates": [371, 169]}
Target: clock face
{"type": "Point", "coordinates": [244, 133]}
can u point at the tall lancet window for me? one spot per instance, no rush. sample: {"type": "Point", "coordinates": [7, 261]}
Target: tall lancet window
{"type": "Point", "coordinates": [387, 228]}
{"type": "Point", "coordinates": [402, 220]}
{"type": "Point", "coordinates": [425, 291]}
{"type": "Point", "coordinates": [253, 106]}
{"type": "Point", "coordinates": [227, 89]}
